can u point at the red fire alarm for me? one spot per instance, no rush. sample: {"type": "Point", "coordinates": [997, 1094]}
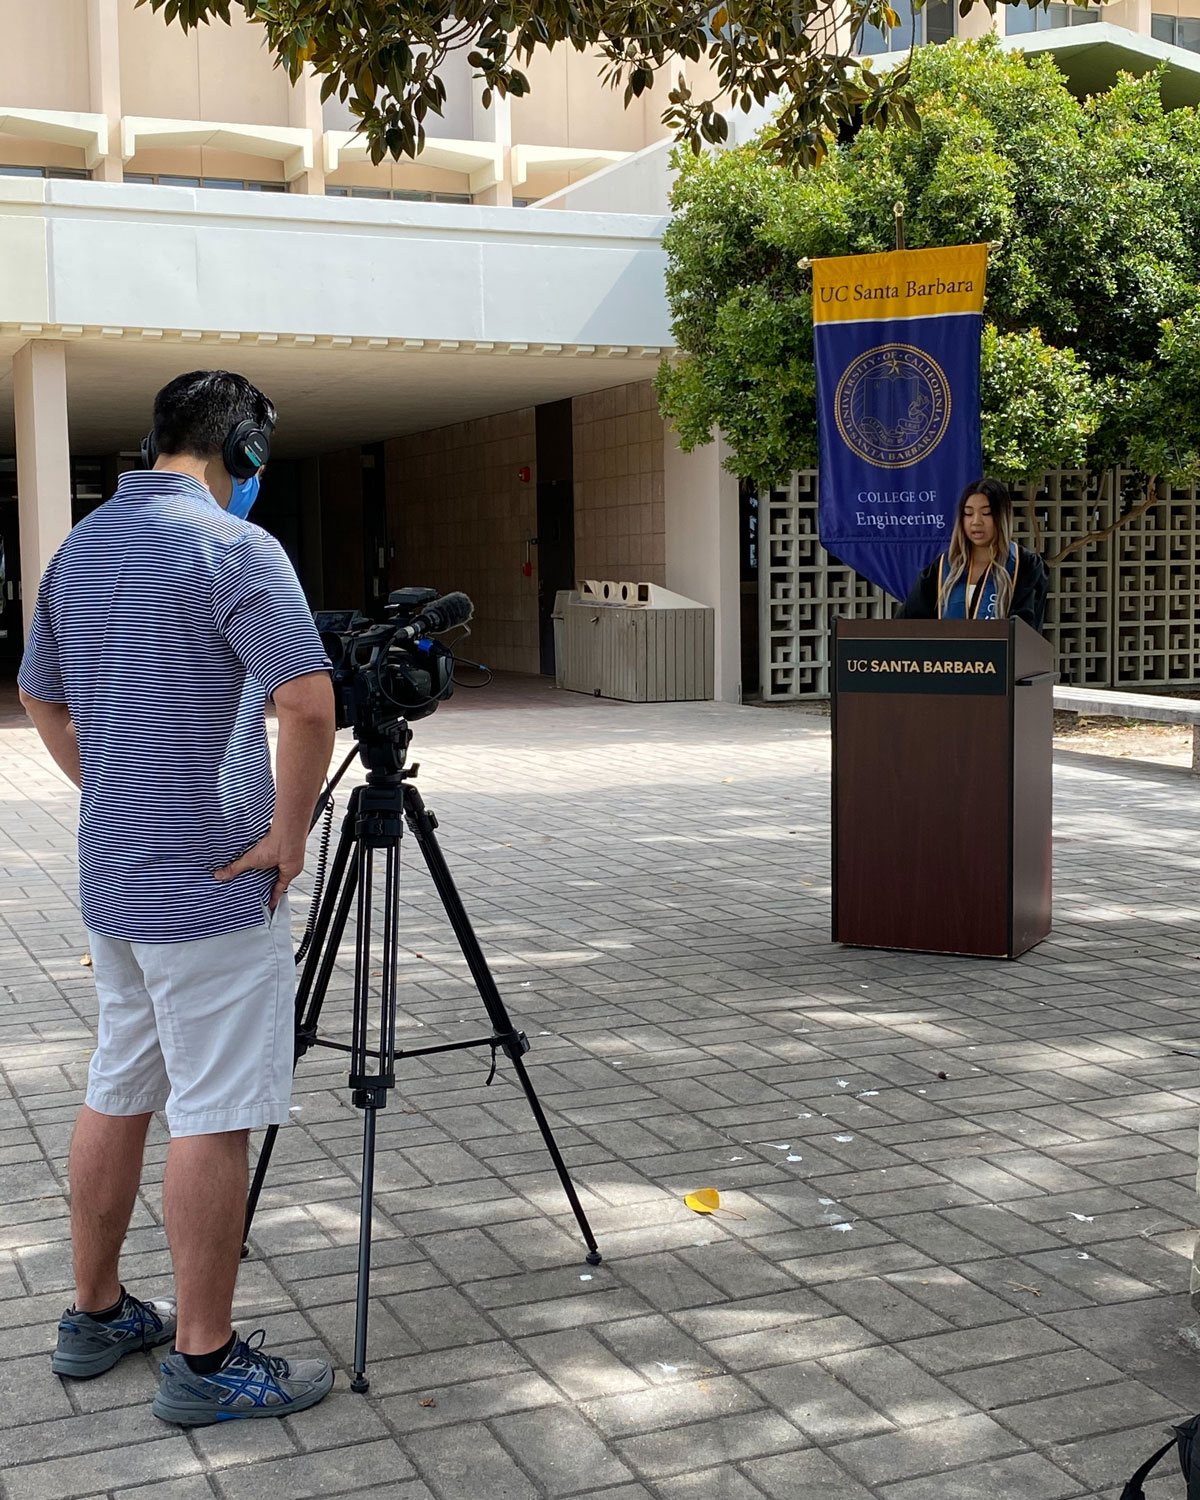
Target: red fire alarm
{"type": "Point", "coordinates": [524, 473]}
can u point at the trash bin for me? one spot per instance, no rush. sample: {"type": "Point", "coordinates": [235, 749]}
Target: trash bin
{"type": "Point", "coordinates": [637, 642]}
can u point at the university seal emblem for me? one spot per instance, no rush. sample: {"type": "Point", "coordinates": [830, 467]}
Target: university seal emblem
{"type": "Point", "coordinates": [893, 406]}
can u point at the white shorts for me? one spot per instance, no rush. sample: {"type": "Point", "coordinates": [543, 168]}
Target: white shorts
{"type": "Point", "coordinates": [203, 1029]}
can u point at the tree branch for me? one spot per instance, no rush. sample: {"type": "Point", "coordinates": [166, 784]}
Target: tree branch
{"type": "Point", "coordinates": [1102, 536]}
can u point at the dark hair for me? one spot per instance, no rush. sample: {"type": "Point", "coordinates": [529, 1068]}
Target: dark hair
{"type": "Point", "coordinates": [994, 491]}
{"type": "Point", "coordinates": [958, 554]}
{"type": "Point", "coordinates": [198, 411]}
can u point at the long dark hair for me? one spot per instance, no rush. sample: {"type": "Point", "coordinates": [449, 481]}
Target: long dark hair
{"type": "Point", "coordinates": [958, 554]}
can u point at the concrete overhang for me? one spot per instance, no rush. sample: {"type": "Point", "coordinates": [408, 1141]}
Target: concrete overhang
{"type": "Point", "coordinates": [60, 128]}
{"type": "Point", "coordinates": [129, 255]}
{"type": "Point", "coordinates": [363, 319]}
{"type": "Point", "coordinates": [330, 394]}
{"type": "Point", "coordinates": [283, 143]}
{"type": "Point", "coordinates": [532, 159]}
{"type": "Point", "coordinates": [1092, 56]}
{"type": "Point", "coordinates": [481, 161]}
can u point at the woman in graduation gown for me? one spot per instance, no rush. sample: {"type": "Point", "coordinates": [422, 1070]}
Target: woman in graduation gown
{"type": "Point", "coordinates": [983, 574]}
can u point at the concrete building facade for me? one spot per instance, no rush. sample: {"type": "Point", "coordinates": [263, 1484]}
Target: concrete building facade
{"type": "Point", "coordinates": [461, 347]}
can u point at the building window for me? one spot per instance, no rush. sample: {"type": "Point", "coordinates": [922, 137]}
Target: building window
{"type": "Point", "coordinates": [234, 184]}
{"type": "Point", "coordinates": [77, 173]}
{"type": "Point", "coordinates": [397, 195]}
{"type": "Point", "coordinates": [1020, 20]}
{"type": "Point", "coordinates": [1180, 31]}
{"type": "Point", "coordinates": [933, 23]}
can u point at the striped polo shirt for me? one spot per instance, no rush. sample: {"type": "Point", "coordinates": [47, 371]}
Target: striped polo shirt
{"type": "Point", "coordinates": [165, 624]}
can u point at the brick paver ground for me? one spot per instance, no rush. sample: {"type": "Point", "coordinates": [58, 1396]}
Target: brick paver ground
{"type": "Point", "coordinates": [963, 1190]}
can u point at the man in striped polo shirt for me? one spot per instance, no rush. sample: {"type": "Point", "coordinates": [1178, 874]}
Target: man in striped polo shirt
{"type": "Point", "coordinates": [164, 624]}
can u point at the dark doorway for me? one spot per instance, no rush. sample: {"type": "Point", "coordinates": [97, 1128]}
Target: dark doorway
{"type": "Point", "coordinates": [375, 530]}
{"type": "Point", "coordinates": [277, 509]}
{"type": "Point", "coordinates": [555, 517]}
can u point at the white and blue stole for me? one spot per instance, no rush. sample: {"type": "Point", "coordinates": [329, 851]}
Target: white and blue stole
{"type": "Point", "coordinates": [983, 605]}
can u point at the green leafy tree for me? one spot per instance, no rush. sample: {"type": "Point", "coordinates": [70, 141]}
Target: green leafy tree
{"type": "Point", "coordinates": [385, 59]}
{"type": "Point", "coordinates": [1093, 300]}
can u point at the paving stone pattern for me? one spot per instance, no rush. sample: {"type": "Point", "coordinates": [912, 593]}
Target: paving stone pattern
{"type": "Point", "coordinates": [959, 1193]}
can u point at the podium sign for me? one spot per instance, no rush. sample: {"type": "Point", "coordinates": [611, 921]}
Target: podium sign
{"type": "Point", "coordinates": [923, 667]}
{"type": "Point", "coordinates": [942, 734]}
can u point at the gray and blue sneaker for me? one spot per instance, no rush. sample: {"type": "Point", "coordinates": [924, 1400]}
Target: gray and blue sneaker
{"type": "Point", "coordinates": [88, 1347]}
{"type": "Point", "coordinates": [249, 1384]}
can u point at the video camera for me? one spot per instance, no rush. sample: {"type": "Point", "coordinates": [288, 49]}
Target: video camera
{"type": "Point", "coordinates": [391, 671]}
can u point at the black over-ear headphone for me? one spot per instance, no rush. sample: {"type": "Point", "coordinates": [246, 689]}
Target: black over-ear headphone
{"type": "Point", "coordinates": [247, 449]}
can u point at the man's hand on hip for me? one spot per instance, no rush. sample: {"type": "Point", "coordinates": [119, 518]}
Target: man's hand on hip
{"type": "Point", "coordinates": [304, 708]}
{"type": "Point", "coordinates": [272, 852]}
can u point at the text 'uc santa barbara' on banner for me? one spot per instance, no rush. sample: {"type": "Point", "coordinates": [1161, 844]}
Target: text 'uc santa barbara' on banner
{"type": "Point", "coordinates": [900, 284]}
{"type": "Point", "coordinates": [896, 341]}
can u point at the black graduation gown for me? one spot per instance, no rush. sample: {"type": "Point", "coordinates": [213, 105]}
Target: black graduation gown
{"type": "Point", "coordinates": [1029, 594]}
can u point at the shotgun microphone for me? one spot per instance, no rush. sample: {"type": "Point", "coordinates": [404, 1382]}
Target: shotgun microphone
{"type": "Point", "coordinates": [442, 614]}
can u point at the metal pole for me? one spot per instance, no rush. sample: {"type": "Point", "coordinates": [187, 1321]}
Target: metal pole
{"type": "Point", "coordinates": [360, 1383]}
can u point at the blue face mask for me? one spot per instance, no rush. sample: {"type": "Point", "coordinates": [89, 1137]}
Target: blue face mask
{"type": "Point", "coordinates": [245, 493]}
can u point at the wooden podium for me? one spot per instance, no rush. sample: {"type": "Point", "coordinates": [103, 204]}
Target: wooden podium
{"type": "Point", "coordinates": [942, 735]}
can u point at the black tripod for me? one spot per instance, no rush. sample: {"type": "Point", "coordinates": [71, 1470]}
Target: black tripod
{"type": "Point", "coordinates": [374, 821]}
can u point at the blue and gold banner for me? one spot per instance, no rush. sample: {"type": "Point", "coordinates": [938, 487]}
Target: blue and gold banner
{"type": "Point", "coordinates": [897, 356]}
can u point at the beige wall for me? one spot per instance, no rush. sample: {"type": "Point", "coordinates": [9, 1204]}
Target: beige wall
{"type": "Point", "coordinates": [619, 517]}
{"type": "Point", "coordinates": [459, 516]}
{"type": "Point", "coordinates": [216, 72]}
{"type": "Point", "coordinates": [120, 59]}
{"type": "Point", "coordinates": [43, 56]}
{"type": "Point", "coordinates": [568, 105]}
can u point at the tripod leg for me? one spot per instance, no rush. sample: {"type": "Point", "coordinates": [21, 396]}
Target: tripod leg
{"type": "Point", "coordinates": [359, 1382]}
{"type": "Point", "coordinates": [372, 1074]}
{"type": "Point", "coordinates": [256, 1185]}
{"type": "Point", "coordinates": [423, 825]}
{"type": "Point", "coordinates": [560, 1166]}
{"type": "Point", "coordinates": [318, 967]}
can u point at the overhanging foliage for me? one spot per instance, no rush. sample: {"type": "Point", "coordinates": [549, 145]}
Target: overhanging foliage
{"type": "Point", "coordinates": [1091, 352]}
{"type": "Point", "coordinates": [385, 59]}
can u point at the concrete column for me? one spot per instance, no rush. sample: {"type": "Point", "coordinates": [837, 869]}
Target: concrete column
{"type": "Point", "coordinates": [494, 124]}
{"type": "Point", "coordinates": [978, 22]}
{"type": "Point", "coordinates": [703, 557]}
{"type": "Point", "coordinates": [104, 75]}
{"type": "Point", "coordinates": [43, 459]}
{"type": "Point", "coordinates": [1134, 15]}
{"type": "Point", "coordinates": [306, 112]}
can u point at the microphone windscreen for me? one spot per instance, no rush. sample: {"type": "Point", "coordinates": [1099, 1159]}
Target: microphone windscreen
{"type": "Point", "coordinates": [448, 611]}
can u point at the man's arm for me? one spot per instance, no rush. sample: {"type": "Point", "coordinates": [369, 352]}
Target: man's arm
{"type": "Point", "coordinates": [304, 707]}
{"type": "Point", "coordinates": [53, 722]}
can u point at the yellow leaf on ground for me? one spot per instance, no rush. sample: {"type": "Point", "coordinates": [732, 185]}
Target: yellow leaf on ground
{"type": "Point", "coordinates": [708, 1201]}
{"type": "Point", "coordinates": [703, 1200]}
